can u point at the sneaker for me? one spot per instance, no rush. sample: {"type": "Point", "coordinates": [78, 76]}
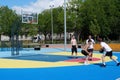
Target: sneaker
{"type": "Point", "coordinates": [85, 63]}
{"type": "Point", "coordinates": [118, 64]}
{"type": "Point", "coordinates": [103, 65]}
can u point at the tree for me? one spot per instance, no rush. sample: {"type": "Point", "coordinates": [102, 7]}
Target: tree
{"type": "Point", "coordinates": [44, 22]}
{"type": "Point", "coordinates": [59, 21]}
{"type": "Point", "coordinates": [114, 18]}
{"type": "Point", "coordinates": [94, 28]}
{"type": "Point", "coordinates": [74, 17]}
{"type": "Point", "coordinates": [8, 19]}
{"type": "Point", "coordinates": [96, 13]}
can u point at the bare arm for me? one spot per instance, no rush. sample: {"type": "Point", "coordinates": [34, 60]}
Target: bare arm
{"type": "Point", "coordinates": [86, 47]}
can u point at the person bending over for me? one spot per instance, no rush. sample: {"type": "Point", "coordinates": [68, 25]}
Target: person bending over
{"type": "Point", "coordinates": [85, 52]}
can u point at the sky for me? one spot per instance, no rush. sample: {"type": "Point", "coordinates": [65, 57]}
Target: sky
{"type": "Point", "coordinates": [30, 5]}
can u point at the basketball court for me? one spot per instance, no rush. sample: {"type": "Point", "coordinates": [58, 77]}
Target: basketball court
{"type": "Point", "coordinates": [53, 63]}
{"type": "Point", "coordinates": [56, 64]}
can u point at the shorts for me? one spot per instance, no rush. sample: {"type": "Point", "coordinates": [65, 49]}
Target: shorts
{"type": "Point", "coordinates": [84, 53]}
{"type": "Point", "coordinates": [109, 53]}
{"type": "Point", "coordinates": [74, 49]}
{"type": "Point", "coordinates": [90, 50]}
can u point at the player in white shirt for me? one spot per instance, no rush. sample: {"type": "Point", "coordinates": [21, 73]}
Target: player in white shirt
{"type": "Point", "coordinates": [91, 47]}
{"type": "Point", "coordinates": [85, 51]}
{"type": "Point", "coordinates": [108, 52]}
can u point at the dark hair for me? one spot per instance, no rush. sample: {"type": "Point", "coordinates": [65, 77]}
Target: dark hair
{"type": "Point", "coordinates": [99, 39]}
{"type": "Point", "coordinates": [89, 40]}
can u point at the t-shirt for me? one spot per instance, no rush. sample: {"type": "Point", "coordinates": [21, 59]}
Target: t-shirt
{"type": "Point", "coordinates": [92, 43]}
{"type": "Point", "coordinates": [105, 46]}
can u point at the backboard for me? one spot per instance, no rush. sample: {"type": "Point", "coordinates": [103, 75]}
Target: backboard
{"type": "Point", "coordinates": [29, 17]}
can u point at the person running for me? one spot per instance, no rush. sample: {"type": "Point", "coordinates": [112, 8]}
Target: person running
{"type": "Point", "coordinates": [85, 51]}
{"type": "Point", "coordinates": [91, 47]}
{"type": "Point", "coordinates": [108, 52]}
{"type": "Point", "coordinates": [74, 45]}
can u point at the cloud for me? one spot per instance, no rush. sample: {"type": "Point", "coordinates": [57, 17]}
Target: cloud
{"type": "Point", "coordinates": [38, 6]}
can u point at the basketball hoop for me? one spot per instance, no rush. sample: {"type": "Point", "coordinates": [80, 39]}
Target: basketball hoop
{"type": "Point", "coordinates": [29, 17]}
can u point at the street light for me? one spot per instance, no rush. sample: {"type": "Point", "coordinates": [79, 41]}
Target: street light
{"type": "Point", "coordinates": [65, 41]}
{"type": "Point", "coordinates": [51, 7]}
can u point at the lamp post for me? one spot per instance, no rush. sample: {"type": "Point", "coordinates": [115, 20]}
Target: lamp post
{"type": "Point", "coordinates": [65, 41]}
{"type": "Point", "coordinates": [51, 7]}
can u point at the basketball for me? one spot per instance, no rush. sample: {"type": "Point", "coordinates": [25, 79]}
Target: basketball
{"type": "Point", "coordinates": [101, 50]}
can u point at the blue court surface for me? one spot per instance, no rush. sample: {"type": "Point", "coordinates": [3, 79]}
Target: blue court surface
{"type": "Point", "coordinates": [74, 72]}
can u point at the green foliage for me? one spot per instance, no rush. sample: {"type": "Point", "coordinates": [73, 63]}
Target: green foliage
{"type": "Point", "coordinates": [45, 22]}
{"type": "Point", "coordinates": [8, 19]}
{"type": "Point", "coordinates": [84, 17]}
{"type": "Point", "coordinates": [94, 27]}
